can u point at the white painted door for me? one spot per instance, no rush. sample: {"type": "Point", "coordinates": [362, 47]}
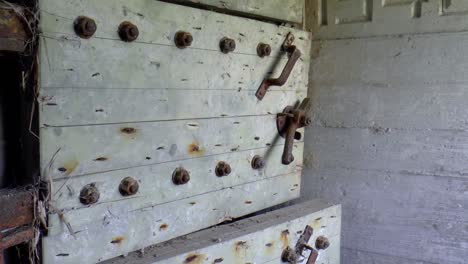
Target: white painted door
{"type": "Point", "coordinates": [117, 114]}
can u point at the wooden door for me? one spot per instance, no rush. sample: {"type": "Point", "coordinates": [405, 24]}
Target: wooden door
{"type": "Point", "coordinates": [128, 113]}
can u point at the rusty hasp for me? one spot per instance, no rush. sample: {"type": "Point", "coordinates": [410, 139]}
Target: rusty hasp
{"type": "Point", "coordinates": [294, 256]}
{"type": "Point", "coordinates": [294, 55]}
{"type": "Point", "coordinates": [288, 122]}
{"type": "Point", "coordinates": [14, 32]}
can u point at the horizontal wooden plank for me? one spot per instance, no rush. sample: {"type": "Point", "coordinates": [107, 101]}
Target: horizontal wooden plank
{"type": "Point", "coordinates": [405, 82]}
{"type": "Point", "coordinates": [264, 237]}
{"type": "Point", "coordinates": [64, 107]}
{"type": "Point", "coordinates": [424, 216]}
{"type": "Point", "coordinates": [275, 10]}
{"type": "Point", "coordinates": [71, 151]}
{"type": "Point", "coordinates": [103, 63]}
{"type": "Point", "coordinates": [430, 152]}
{"type": "Point", "coordinates": [158, 22]}
{"type": "Point", "coordinates": [156, 186]}
{"type": "Point", "coordinates": [125, 233]}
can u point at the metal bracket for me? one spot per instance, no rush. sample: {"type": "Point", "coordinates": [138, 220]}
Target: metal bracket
{"type": "Point", "coordinates": [292, 256]}
{"type": "Point", "coordinates": [288, 122]}
{"type": "Point", "coordinates": [294, 55]}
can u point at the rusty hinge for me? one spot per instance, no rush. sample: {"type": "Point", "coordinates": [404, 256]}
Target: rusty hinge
{"type": "Point", "coordinates": [294, 55]}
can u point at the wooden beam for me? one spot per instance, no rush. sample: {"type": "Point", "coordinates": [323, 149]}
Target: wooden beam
{"type": "Point", "coordinates": [13, 30]}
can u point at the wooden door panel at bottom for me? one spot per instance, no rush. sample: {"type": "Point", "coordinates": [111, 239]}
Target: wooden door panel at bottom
{"type": "Point", "coordinates": [101, 240]}
{"type": "Point", "coordinates": [259, 239]}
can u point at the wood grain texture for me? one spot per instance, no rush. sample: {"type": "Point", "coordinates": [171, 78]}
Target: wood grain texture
{"type": "Point", "coordinates": [422, 216]}
{"type": "Point", "coordinates": [158, 22]}
{"type": "Point", "coordinates": [419, 152]}
{"type": "Point", "coordinates": [83, 150]}
{"type": "Point", "coordinates": [276, 10]}
{"type": "Point", "coordinates": [259, 239]}
{"type": "Point", "coordinates": [120, 234]}
{"type": "Point", "coordinates": [389, 141]}
{"type": "Point", "coordinates": [68, 63]}
{"type": "Point", "coordinates": [403, 82]}
{"type": "Point", "coordinates": [111, 109]}
{"type": "Point", "coordinates": [156, 186]}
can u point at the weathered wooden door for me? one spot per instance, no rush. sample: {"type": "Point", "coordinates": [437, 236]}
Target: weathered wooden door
{"type": "Point", "coordinates": [149, 131]}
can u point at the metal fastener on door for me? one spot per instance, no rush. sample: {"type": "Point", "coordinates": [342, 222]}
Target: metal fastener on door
{"type": "Point", "coordinates": [294, 55]}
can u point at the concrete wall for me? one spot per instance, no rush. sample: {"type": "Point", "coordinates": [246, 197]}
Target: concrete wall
{"type": "Point", "coordinates": [390, 139]}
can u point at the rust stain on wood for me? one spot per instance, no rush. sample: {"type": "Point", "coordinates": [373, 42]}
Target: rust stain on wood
{"type": "Point", "coordinates": [284, 237]}
{"type": "Point", "coordinates": [69, 167]}
{"type": "Point", "coordinates": [128, 130]}
{"type": "Point", "coordinates": [240, 246]}
{"type": "Point", "coordinates": [194, 149]}
{"type": "Point", "coordinates": [194, 258]}
{"type": "Point", "coordinates": [118, 240]}
{"type": "Point", "coordinates": [163, 227]}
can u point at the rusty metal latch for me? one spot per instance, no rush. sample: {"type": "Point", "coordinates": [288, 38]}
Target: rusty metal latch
{"type": "Point", "coordinates": [293, 256]}
{"type": "Point", "coordinates": [288, 122]}
{"type": "Point", "coordinates": [294, 55]}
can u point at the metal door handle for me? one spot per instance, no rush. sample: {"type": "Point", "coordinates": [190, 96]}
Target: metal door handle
{"type": "Point", "coordinates": [288, 122]}
{"type": "Point", "coordinates": [294, 55]}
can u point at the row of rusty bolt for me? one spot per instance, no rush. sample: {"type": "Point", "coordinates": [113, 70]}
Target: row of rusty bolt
{"type": "Point", "coordinates": [89, 194]}
{"type": "Point", "coordinates": [129, 186]}
{"type": "Point", "coordinates": [181, 176]}
{"type": "Point", "coordinates": [85, 27]}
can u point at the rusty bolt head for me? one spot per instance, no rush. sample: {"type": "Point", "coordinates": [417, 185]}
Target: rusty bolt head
{"type": "Point", "coordinates": [258, 162]}
{"type": "Point", "coordinates": [322, 242]}
{"type": "Point", "coordinates": [180, 176]}
{"type": "Point", "coordinates": [128, 32]}
{"type": "Point", "coordinates": [128, 186]}
{"type": "Point", "coordinates": [183, 39]}
{"type": "Point", "coordinates": [289, 255]}
{"type": "Point", "coordinates": [222, 169]}
{"type": "Point", "coordinates": [85, 27]}
{"type": "Point", "coordinates": [89, 194]}
{"type": "Point", "coordinates": [227, 45]}
{"type": "Point", "coordinates": [263, 50]}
